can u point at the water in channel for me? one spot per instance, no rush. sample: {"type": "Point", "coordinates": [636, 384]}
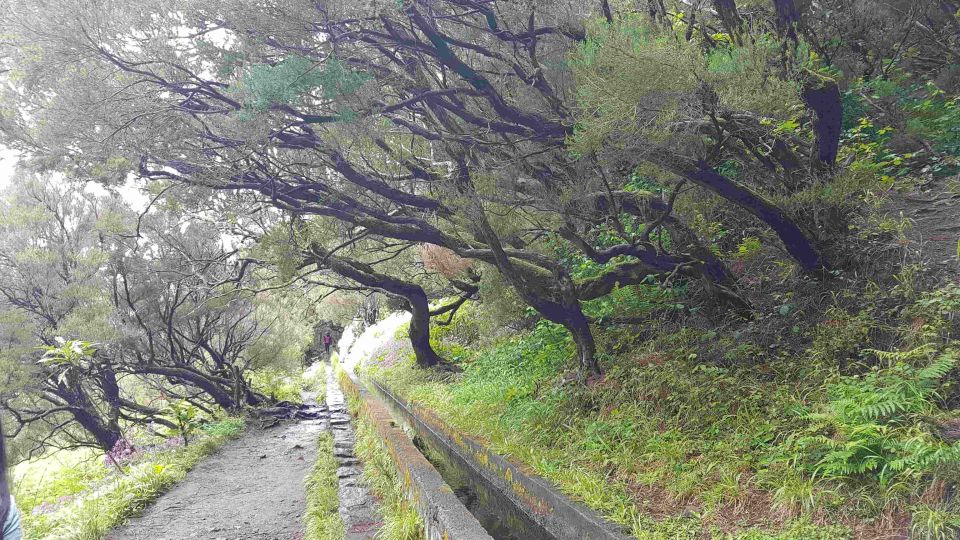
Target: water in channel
{"type": "Point", "coordinates": [494, 510]}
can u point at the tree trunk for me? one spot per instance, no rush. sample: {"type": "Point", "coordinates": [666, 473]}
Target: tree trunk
{"type": "Point", "coordinates": [414, 295]}
{"type": "Point", "coordinates": [788, 16]}
{"type": "Point", "coordinates": [579, 329]}
{"type": "Point", "coordinates": [656, 9]}
{"type": "Point", "coordinates": [111, 392]}
{"type": "Point", "coordinates": [794, 240]}
{"type": "Point", "coordinates": [420, 331]}
{"type": "Point", "coordinates": [828, 105]}
{"type": "Point", "coordinates": [607, 12]}
{"type": "Point", "coordinates": [71, 391]}
{"type": "Point", "coordinates": [217, 393]}
{"type": "Point", "coordinates": [105, 436]}
{"type": "Point", "coordinates": [730, 17]}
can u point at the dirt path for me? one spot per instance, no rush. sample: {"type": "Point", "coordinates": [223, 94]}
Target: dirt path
{"type": "Point", "coordinates": [252, 489]}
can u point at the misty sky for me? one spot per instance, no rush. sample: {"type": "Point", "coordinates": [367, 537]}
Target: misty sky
{"type": "Point", "coordinates": [8, 160]}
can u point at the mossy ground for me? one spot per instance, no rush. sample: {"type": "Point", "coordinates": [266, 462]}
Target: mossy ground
{"type": "Point", "coordinates": [709, 434]}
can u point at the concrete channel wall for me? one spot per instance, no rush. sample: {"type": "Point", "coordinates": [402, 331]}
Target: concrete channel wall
{"type": "Point", "coordinates": [561, 517]}
{"type": "Point", "coordinates": [444, 516]}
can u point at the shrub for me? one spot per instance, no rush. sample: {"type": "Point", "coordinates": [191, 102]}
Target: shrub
{"type": "Point", "coordinates": [840, 335]}
{"type": "Point", "coordinates": [277, 384]}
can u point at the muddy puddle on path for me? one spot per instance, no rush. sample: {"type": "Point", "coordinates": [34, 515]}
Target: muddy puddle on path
{"type": "Point", "coordinates": [251, 489]}
{"type": "Point", "coordinates": [495, 512]}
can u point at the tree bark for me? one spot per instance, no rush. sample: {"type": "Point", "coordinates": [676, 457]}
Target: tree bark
{"type": "Point", "coordinates": [828, 105]}
{"type": "Point", "coordinates": [213, 389]}
{"type": "Point", "coordinates": [794, 240]}
{"type": "Point", "coordinates": [413, 294]}
{"type": "Point", "coordinates": [579, 328]}
{"type": "Point", "coordinates": [796, 243]}
{"type": "Point", "coordinates": [730, 17]}
{"type": "Point", "coordinates": [105, 436]}
{"type": "Point", "coordinates": [71, 391]}
{"type": "Point", "coordinates": [556, 299]}
{"type": "Point", "coordinates": [419, 332]}
{"type": "Point", "coordinates": [788, 16]}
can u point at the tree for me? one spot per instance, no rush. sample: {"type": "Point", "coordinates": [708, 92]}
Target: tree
{"type": "Point", "coordinates": [54, 243]}
{"type": "Point", "coordinates": [106, 314]}
{"type": "Point", "coordinates": [428, 122]}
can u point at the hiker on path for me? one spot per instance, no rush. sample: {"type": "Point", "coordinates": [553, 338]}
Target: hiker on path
{"type": "Point", "coordinates": [327, 341]}
{"type": "Point", "coordinates": [9, 515]}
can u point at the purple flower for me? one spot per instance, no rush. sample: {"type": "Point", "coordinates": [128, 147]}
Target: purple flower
{"type": "Point", "coordinates": [123, 452]}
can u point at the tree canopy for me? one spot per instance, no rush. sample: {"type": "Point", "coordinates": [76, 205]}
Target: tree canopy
{"type": "Point", "coordinates": [419, 149]}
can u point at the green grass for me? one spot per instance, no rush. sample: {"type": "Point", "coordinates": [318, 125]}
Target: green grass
{"type": "Point", "coordinates": [45, 481]}
{"type": "Point", "coordinates": [105, 499]}
{"type": "Point", "coordinates": [323, 520]}
{"type": "Point", "coordinates": [673, 447]}
{"type": "Point", "coordinates": [400, 518]}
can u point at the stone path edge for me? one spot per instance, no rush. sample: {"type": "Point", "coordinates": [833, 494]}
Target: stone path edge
{"type": "Point", "coordinates": [358, 509]}
{"type": "Point", "coordinates": [444, 516]}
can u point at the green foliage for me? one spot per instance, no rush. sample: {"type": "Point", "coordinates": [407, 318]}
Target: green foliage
{"type": "Point", "coordinates": [870, 425]}
{"type": "Point", "coordinates": [501, 305]}
{"type": "Point", "coordinates": [632, 77]}
{"type": "Point", "coordinates": [839, 429]}
{"type": "Point", "coordinates": [936, 116]}
{"type": "Point", "coordinates": [840, 336]}
{"type": "Point", "coordinates": [284, 82]}
{"type": "Point", "coordinates": [656, 420]}
{"type": "Point", "coordinates": [226, 428]}
{"type": "Point", "coordinates": [67, 353]}
{"type": "Point", "coordinates": [323, 521]}
{"type": "Point", "coordinates": [636, 300]}
{"type": "Point", "coordinates": [749, 248]}
{"type": "Point", "coordinates": [935, 523]}
{"type": "Point", "coordinates": [289, 317]}
{"type": "Point", "coordinates": [933, 317]}
{"type": "Point", "coordinates": [186, 416]}
{"type": "Point", "coordinates": [929, 114]}
{"type": "Point", "coordinates": [278, 384]}
{"type": "Point", "coordinates": [315, 379]}
{"type": "Point", "coordinates": [455, 341]}
{"type": "Point", "coordinates": [67, 357]}
{"type": "Point", "coordinates": [43, 482]}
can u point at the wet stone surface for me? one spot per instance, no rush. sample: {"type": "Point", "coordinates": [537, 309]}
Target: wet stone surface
{"type": "Point", "coordinates": [357, 506]}
{"type": "Point", "coordinates": [252, 489]}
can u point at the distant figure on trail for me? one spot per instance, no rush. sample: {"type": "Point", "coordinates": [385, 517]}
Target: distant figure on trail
{"type": "Point", "coordinates": [9, 515]}
{"type": "Point", "coordinates": [327, 341]}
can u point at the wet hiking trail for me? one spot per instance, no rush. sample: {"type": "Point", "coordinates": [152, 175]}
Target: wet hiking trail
{"type": "Point", "coordinates": [253, 487]}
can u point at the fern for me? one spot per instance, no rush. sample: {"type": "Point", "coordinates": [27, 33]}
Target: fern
{"type": "Point", "coordinates": [939, 368]}
{"type": "Point", "coordinates": [868, 428]}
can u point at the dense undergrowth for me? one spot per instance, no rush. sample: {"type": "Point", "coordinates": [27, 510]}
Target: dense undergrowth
{"type": "Point", "coordinates": [83, 495]}
{"type": "Point", "coordinates": [830, 412]}
{"type": "Point", "coordinates": [828, 439]}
